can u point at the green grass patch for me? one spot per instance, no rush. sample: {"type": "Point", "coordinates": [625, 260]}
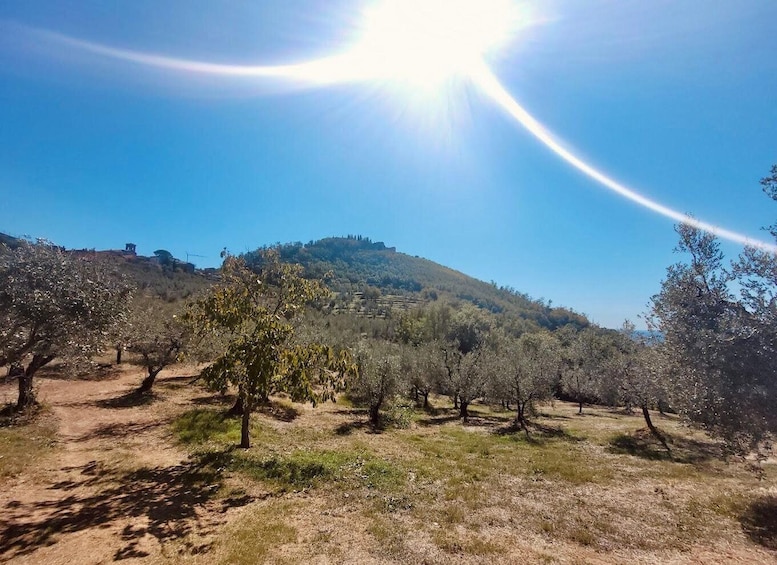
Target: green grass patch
{"type": "Point", "coordinates": [202, 425]}
{"type": "Point", "coordinates": [457, 455]}
{"type": "Point", "coordinates": [306, 468]}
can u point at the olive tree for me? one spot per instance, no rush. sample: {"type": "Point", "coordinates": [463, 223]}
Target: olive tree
{"type": "Point", "coordinates": [720, 349]}
{"type": "Point", "coordinates": [584, 359]}
{"type": "Point", "coordinates": [54, 305]}
{"type": "Point", "coordinates": [636, 366]}
{"type": "Point", "coordinates": [254, 314]}
{"type": "Point", "coordinates": [424, 367]}
{"type": "Point", "coordinates": [527, 371]}
{"type": "Point", "coordinates": [157, 335]}
{"type": "Point", "coordinates": [466, 356]}
{"type": "Point", "coordinates": [379, 376]}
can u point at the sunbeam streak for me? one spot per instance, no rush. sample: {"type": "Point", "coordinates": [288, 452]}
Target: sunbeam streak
{"type": "Point", "coordinates": [325, 71]}
{"type": "Point", "coordinates": [490, 84]}
{"type": "Point", "coordinates": [364, 64]}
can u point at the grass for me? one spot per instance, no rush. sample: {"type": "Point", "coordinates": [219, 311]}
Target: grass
{"type": "Point", "coordinates": [25, 440]}
{"type": "Point", "coordinates": [480, 492]}
{"type": "Point", "coordinates": [272, 463]}
{"type": "Point", "coordinates": [258, 534]}
{"type": "Point", "coordinates": [434, 489]}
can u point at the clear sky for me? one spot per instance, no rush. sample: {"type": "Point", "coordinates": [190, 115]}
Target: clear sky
{"type": "Point", "coordinates": [676, 99]}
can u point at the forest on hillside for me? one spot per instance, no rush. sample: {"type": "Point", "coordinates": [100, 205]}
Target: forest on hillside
{"type": "Point", "coordinates": [355, 264]}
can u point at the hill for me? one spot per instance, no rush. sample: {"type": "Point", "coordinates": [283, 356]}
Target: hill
{"type": "Point", "coordinates": [371, 278]}
{"type": "Point", "coordinates": [368, 278]}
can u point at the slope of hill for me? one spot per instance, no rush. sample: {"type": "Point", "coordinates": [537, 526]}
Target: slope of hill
{"type": "Point", "coordinates": [380, 277]}
{"type": "Point", "coordinates": [368, 277]}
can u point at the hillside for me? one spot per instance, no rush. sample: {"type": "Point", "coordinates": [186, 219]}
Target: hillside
{"type": "Point", "coordinates": [368, 278]}
{"type": "Point", "coordinates": [371, 277]}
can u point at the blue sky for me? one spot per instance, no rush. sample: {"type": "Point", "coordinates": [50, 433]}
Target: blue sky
{"type": "Point", "coordinates": [677, 99]}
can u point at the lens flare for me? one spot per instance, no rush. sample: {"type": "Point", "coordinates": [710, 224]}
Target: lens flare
{"type": "Point", "coordinates": [336, 69]}
{"type": "Point", "coordinates": [423, 44]}
{"type": "Point", "coordinates": [488, 82]}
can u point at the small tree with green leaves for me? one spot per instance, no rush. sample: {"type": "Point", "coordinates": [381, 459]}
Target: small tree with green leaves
{"type": "Point", "coordinates": [254, 313]}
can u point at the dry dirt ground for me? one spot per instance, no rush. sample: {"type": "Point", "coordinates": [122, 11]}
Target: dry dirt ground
{"type": "Point", "coordinates": [117, 483]}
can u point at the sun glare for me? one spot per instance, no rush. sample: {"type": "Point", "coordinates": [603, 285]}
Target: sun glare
{"type": "Point", "coordinates": [426, 42]}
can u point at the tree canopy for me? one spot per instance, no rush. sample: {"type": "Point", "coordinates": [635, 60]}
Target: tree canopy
{"type": "Point", "coordinates": [255, 313]}
{"type": "Point", "coordinates": [720, 336]}
{"type": "Point", "coordinates": [54, 305]}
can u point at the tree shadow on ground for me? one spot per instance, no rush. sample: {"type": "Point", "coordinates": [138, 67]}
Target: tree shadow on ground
{"type": "Point", "coordinates": [122, 430]}
{"type": "Point", "coordinates": [589, 414]}
{"type": "Point", "coordinates": [131, 399]}
{"type": "Point", "coordinates": [347, 428]}
{"type": "Point", "coordinates": [84, 372]}
{"type": "Point", "coordinates": [537, 433]}
{"type": "Point", "coordinates": [548, 416]}
{"type": "Point", "coordinates": [11, 416]}
{"type": "Point", "coordinates": [759, 521]}
{"type": "Point", "coordinates": [432, 410]}
{"type": "Point", "coordinates": [361, 421]}
{"type": "Point", "coordinates": [439, 420]}
{"type": "Point", "coordinates": [176, 382]}
{"type": "Point", "coordinates": [278, 411]}
{"type": "Point", "coordinates": [223, 400]}
{"type": "Point", "coordinates": [642, 443]}
{"type": "Point", "coordinates": [351, 411]}
{"type": "Point", "coordinates": [171, 499]}
{"type": "Point", "coordinates": [475, 420]}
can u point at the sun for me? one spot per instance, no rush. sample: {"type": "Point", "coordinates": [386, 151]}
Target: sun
{"type": "Point", "coordinates": [426, 42]}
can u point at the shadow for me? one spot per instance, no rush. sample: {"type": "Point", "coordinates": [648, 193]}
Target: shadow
{"type": "Point", "coordinates": [176, 382]}
{"type": "Point", "coordinates": [759, 521]}
{"type": "Point", "coordinates": [642, 443]}
{"type": "Point", "coordinates": [553, 432]}
{"type": "Point", "coordinates": [589, 414]}
{"type": "Point", "coordinates": [120, 431]}
{"type": "Point", "coordinates": [352, 411]}
{"type": "Point", "coordinates": [131, 399]}
{"type": "Point", "coordinates": [433, 410]}
{"type": "Point", "coordinates": [475, 421]}
{"type": "Point", "coordinates": [221, 400]}
{"type": "Point", "coordinates": [347, 428]}
{"type": "Point", "coordinates": [10, 416]}
{"type": "Point", "coordinates": [89, 372]}
{"type": "Point", "coordinates": [438, 421]}
{"type": "Point", "coordinates": [536, 432]}
{"type": "Point", "coordinates": [278, 411]}
{"type": "Point", "coordinates": [553, 416]}
{"type": "Point", "coordinates": [169, 498]}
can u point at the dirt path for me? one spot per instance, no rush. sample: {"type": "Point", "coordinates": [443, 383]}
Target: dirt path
{"type": "Point", "coordinates": [117, 487]}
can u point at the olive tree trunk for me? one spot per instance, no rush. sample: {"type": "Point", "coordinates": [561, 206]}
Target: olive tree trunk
{"type": "Point", "coordinates": [26, 391]}
{"type": "Point", "coordinates": [148, 382]}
